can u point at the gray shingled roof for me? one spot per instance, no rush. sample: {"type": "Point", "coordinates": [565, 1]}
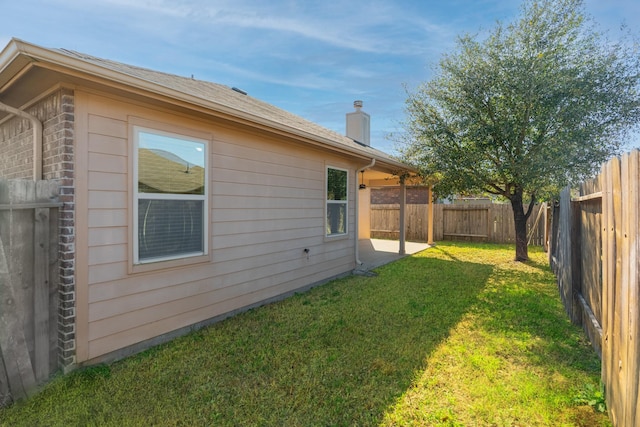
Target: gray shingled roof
{"type": "Point", "coordinates": [226, 96]}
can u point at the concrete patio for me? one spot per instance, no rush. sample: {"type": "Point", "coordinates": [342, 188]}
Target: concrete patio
{"type": "Point", "coordinates": [377, 252]}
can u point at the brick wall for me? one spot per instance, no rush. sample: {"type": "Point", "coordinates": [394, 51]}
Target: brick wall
{"type": "Point", "coordinates": [391, 195]}
{"type": "Point", "coordinates": [16, 149]}
{"type": "Point", "coordinates": [56, 112]}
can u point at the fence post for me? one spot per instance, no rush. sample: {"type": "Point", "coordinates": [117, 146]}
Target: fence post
{"type": "Point", "coordinates": [403, 214]}
{"type": "Point", "coordinates": [430, 216]}
{"type": "Point", "coordinates": [45, 192]}
{"type": "Point", "coordinates": [575, 248]}
{"type": "Point", "coordinates": [547, 227]}
{"type": "Point", "coordinates": [553, 244]}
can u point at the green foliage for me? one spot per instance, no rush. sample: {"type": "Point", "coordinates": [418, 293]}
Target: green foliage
{"type": "Point", "coordinates": [458, 335]}
{"type": "Point", "coordinates": [592, 396]}
{"type": "Point", "coordinates": [536, 105]}
{"type": "Point", "coordinates": [336, 184]}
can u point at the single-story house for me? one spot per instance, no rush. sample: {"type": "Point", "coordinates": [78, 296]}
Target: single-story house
{"type": "Point", "coordinates": [184, 201]}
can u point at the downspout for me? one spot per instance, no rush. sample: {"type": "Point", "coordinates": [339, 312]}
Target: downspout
{"type": "Point", "coordinates": [369, 166]}
{"type": "Point", "coordinates": [37, 137]}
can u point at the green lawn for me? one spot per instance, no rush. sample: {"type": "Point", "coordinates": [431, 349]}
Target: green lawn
{"type": "Point", "coordinates": [458, 335]}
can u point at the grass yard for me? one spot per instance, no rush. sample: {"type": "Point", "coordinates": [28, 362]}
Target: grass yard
{"type": "Point", "coordinates": [458, 335]}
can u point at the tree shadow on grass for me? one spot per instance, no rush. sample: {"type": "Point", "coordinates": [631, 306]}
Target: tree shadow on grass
{"type": "Point", "coordinates": [341, 354]}
{"type": "Point", "coordinates": [523, 309]}
{"type": "Point", "coordinates": [542, 266]}
{"type": "Point", "coordinates": [348, 350]}
{"type": "Point", "coordinates": [526, 313]}
{"type": "Point", "coordinates": [338, 355]}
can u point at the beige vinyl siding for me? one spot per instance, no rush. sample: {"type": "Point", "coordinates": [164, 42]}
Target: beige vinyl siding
{"type": "Point", "coordinates": [107, 254]}
{"type": "Point", "coordinates": [108, 218]}
{"type": "Point", "coordinates": [267, 202]}
{"type": "Point", "coordinates": [105, 235]}
{"type": "Point", "coordinates": [191, 309]}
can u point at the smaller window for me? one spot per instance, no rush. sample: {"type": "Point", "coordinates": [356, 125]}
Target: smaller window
{"type": "Point", "coordinates": [337, 202]}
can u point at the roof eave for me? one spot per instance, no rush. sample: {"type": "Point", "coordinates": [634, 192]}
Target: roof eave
{"type": "Point", "coordinates": [12, 61]}
{"type": "Point", "coordinates": [17, 54]}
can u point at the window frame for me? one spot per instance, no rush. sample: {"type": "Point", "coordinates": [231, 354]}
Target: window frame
{"type": "Point", "coordinates": [336, 202]}
{"type": "Point", "coordinates": [138, 265]}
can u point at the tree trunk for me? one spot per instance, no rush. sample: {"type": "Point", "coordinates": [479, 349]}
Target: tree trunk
{"type": "Point", "coordinates": [520, 220]}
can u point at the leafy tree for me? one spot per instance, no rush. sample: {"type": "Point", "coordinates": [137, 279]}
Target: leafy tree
{"type": "Point", "coordinates": [534, 106]}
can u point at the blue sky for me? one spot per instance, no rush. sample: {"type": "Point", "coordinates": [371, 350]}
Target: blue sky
{"type": "Point", "coordinates": [312, 58]}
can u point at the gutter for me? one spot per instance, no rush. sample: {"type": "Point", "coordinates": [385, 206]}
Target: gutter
{"type": "Point", "coordinates": [37, 137]}
{"type": "Point", "coordinates": [357, 248]}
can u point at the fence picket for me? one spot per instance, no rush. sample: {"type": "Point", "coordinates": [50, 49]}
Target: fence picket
{"type": "Point", "coordinates": [608, 274]}
{"type": "Point", "coordinates": [617, 330]}
{"type": "Point", "coordinates": [633, 349]}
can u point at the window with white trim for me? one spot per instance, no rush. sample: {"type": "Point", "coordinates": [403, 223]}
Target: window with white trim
{"type": "Point", "coordinates": [170, 196]}
{"type": "Point", "coordinates": [337, 201]}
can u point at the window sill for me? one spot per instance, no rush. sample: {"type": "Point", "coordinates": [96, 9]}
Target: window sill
{"type": "Point", "coordinates": [336, 237]}
{"type": "Point", "coordinates": [168, 264]}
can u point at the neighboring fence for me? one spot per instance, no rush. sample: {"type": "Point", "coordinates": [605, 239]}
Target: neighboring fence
{"type": "Point", "coordinates": [595, 243]}
{"type": "Point", "coordinates": [28, 286]}
{"type": "Point", "coordinates": [474, 222]}
{"type": "Point", "coordinates": [575, 257]}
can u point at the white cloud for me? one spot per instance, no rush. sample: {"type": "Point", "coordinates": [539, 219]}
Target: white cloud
{"type": "Point", "coordinates": [147, 6]}
{"type": "Point", "coordinates": [305, 81]}
{"type": "Point", "coordinates": [379, 27]}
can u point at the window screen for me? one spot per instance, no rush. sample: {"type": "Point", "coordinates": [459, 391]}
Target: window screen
{"type": "Point", "coordinates": [171, 196]}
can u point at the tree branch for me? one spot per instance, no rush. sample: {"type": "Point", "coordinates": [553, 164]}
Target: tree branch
{"type": "Point", "coordinates": [496, 190]}
{"type": "Point", "coordinates": [531, 205]}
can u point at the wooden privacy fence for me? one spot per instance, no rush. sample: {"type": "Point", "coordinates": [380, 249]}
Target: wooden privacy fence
{"type": "Point", "coordinates": [28, 285]}
{"type": "Point", "coordinates": [575, 256]}
{"type": "Point", "coordinates": [595, 243]}
{"type": "Point", "coordinates": [473, 222]}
